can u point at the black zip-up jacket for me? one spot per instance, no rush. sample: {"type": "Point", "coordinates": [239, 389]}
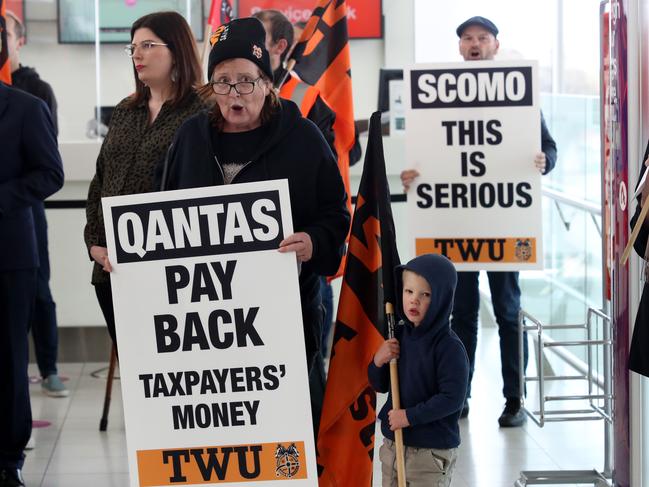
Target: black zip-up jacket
{"type": "Point", "coordinates": [433, 365]}
{"type": "Point", "coordinates": [294, 149]}
{"type": "Point", "coordinates": [27, 79]}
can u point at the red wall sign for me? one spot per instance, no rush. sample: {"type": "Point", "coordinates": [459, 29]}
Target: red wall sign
{"type": "Point", "coordinates": [16, 6]}
{"type": "Point", "coordinates": [363, 16]}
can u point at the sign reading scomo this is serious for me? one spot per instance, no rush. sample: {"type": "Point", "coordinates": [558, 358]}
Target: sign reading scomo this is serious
{"type": "Point", "coordinates": [472, 131]}
{"type": "Point", "coordinates": [210, 337]}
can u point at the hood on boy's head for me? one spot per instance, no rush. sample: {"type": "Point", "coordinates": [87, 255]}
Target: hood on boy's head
{"type": "Point", "coordinates": [441, 276]}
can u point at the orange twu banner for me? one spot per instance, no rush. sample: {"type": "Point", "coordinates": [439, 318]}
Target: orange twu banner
{"type": "Point", "coordinates": [212, 465]}
{"type": "Point", "coordinates": [5, 67]}
{"type": "Point", "coordinates": [322, 60]}
{"type": "Point", "coordinates": [346, 437]}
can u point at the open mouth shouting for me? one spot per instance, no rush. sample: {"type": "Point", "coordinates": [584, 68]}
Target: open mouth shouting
{"type": "Point", "coordinates": [475, 54]}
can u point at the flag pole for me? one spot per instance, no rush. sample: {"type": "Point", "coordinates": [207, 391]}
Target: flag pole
{"type": "Point", "coordinates": [396, 401]}
{"type": "Point", "coordinates": [206, 44]}
{"type": "Point", "coordinates": [635, 232]}
{"type": "Point", "coordinates": [287, 71]}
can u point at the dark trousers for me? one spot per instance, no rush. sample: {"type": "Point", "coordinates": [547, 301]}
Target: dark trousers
{"type": "Point", "coordinates": [17, 290]}
{"type": "Point", "coordinates": [43, 323]}
{"type": "Point", "coordinates": [312, 317]}
{"type": "Point", "coordinates": [506, 300]}
{"type": "Point", "coordinates": [327, 297]}
{"type": "Point", "coordinates": [105, 299]}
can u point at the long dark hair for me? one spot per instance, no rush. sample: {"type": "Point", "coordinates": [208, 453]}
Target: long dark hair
{"type": "Point", "coordinates": [173, 29]}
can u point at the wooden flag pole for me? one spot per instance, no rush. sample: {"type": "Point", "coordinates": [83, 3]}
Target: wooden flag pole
{"type": "Point", "coordinates": [206, 45]}
{"type": "Point", "coordinates": [635, 232]}
{"type": "Point", "coordinates": [396, 402]}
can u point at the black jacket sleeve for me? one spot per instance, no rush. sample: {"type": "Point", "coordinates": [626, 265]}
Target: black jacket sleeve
{"type": "Point", "coordinates": [43, 169]}
{"type": "Point", "coordinates": [175, 172]}
{"type": "Point", "coordinates": [640, 245]}
{"type": "Point", "coordinates": [46, 94]}
{"type": "Point", "coordinates": [379, 377]}
{"type": "Point", "coordinates": [548, 146]}
{"type": "Point", "coordinates": [331, 225]}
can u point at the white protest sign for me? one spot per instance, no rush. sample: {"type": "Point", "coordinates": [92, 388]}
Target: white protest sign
{"type": "Point", "coordinates": [209, 330]}
{"type": "Point", "coordinates": [472, 131]}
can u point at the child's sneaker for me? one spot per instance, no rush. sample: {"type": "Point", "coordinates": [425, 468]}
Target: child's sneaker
{"type": "Point", "coordinates": [53, 387]}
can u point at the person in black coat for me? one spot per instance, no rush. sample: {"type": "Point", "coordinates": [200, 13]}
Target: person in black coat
{"type": "Point", "coordinates": [31, 170]}
{"type": "Point", "coordinates": [44, 327]}
{"type": "Point", "coordinates": [251, 135]}
{"type": "Point", "coordinates": [638, 357]}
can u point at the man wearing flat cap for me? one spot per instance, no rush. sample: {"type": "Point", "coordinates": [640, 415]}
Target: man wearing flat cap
{"type": "Point", "coordinates": [478, 42]}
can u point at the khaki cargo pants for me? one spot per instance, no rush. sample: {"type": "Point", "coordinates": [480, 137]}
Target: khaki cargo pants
{"type": "Point", "coordinates": [425, 467]}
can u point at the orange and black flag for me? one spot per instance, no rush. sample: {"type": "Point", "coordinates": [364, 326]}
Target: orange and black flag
{"type": "Point", "coordinates": [323, 60]}
{"type": "Point", "coordinates": [346, 436]}
{"type": "Point", "coordinates": [221, 12]}
{"type": "Point", "coordinates": [5, 67]}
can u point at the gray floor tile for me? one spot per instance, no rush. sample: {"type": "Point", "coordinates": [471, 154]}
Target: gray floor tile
{"type": "Point", "coordinates": [71, 452]}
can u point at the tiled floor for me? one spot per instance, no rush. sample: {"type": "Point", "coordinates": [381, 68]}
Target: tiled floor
{"type": "Point", "coordinates": [73, 453]}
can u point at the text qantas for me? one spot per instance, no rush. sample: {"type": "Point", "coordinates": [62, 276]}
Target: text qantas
{"type": "Point", "coordinates": [201, 226]}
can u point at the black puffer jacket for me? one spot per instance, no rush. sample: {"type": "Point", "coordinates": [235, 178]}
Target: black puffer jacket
{"type": "Point", "coordinates": [294, 149]}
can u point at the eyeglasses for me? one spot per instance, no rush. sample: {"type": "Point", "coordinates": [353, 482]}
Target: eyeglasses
{"type": "Point", "coordinates": [129, 49]}
{"type": "Point", "coordinates": [241, 87]}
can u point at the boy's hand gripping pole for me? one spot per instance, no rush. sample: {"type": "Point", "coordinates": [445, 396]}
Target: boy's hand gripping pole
{"type": "Point", "coordinates": [396, 401]}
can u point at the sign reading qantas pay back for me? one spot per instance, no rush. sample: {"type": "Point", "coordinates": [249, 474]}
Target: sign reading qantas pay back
{"type": "Point", "coordinates": [472, 131]}
{"type": "Point", "coordinates": [211, 347]}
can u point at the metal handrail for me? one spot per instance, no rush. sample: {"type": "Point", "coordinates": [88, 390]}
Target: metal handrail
{"type": "Point", "coordinates": [599, 390]}
{"type": "Point", "coordinates": [588, 206]}
{"type": "Point", "coordinates": [591, 377]}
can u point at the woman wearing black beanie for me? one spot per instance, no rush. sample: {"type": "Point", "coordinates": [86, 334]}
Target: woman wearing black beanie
{"type": "Point", "coordinates": [251, 135]}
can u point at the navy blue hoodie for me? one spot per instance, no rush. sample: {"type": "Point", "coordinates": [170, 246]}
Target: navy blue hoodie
{"type": "Point", "coordinates": [433, 365]}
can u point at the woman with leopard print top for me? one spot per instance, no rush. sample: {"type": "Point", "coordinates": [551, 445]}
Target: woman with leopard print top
{"type": "Point", "coordinates": [166, 71]}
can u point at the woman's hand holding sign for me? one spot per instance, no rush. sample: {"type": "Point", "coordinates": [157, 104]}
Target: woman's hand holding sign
{"type": "Point", "coordinates": [100, 255]}
{"type": "Point", "coordinates": [300, 243]}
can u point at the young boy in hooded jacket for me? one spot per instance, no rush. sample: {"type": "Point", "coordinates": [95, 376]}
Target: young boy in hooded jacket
{"type": "Point", "coordinates": [433, 375]}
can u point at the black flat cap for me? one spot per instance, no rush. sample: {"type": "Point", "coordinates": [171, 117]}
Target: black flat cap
{"type": "Point", "coordinates": [481, 21]}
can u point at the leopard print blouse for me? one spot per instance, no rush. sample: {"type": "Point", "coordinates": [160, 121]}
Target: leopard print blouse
{"type": "Point", "coordinates": [127, 160]}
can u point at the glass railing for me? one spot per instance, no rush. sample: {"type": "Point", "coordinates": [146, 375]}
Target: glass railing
{"type": "Point", "coordinates": [572, 279]}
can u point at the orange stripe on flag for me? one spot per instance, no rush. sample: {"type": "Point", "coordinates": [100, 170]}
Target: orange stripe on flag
{"type": "Point", "coordinates": [334, 13]}
{"type": "Point", "coordinates": [313, 42]}
{"type": "Point", "coordinates": [346, 439]}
